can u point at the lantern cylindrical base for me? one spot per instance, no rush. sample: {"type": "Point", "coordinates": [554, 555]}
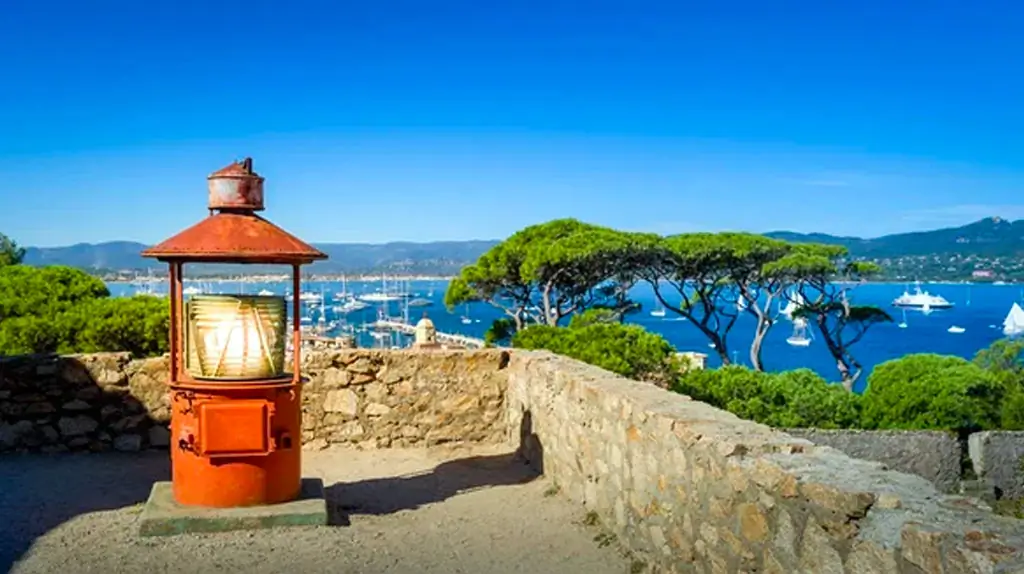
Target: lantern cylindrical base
{"type": "Point", "coordinates": [237, 444]}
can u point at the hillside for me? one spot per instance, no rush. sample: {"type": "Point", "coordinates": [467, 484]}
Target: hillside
{"type": "Point", "coordinates": [988, 238]}
{"type": "Point", "coordinates": [440, 257]}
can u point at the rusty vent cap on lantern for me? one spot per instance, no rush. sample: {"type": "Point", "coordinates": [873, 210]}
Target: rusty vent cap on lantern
{"type": "Point", "coordinates": [235, 234]}
{"type": "Point", "coordinates": [236, 187]}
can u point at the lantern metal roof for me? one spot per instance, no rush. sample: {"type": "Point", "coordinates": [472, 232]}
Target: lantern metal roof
{"type": "Point", "coordinates": [233, 233]}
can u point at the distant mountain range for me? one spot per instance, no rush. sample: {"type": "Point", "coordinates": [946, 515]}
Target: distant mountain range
{"type": "Point", "coordinates": [991, 237]}
{"type": "Point", "coordinates": [434, 258]}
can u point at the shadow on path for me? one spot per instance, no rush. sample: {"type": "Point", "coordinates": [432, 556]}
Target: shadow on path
{"type": "Point", "coordinates": [40, 492]}
{"type": "Point", "coordinates": [379, 496]}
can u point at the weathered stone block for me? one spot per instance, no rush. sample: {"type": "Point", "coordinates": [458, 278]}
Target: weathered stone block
{"type": "Point", "coordinates": [342, 401]}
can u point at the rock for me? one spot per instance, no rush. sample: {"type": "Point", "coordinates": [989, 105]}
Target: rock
{"type": "Point", "coordinates": [342, 401]}
{"type": "Point", "coordinates": [11, 435]}
{"type": "Point", "coordinates": [30, 398]}
{"type": "Point", "coordinates": [76, 426]}
{"type": "Point", "coordinates": [50, 433]}
{"type": "Point", "coordinates": [109, 411]}
{"type": "Point", "coordinates": [128, 443]}
{"type": "Point", "coordinates": [315, 444]}
{"type": "Point", "coordinates": [46, 370]}
{"type": "Point", "coordinates": [76, 405]}
{"type": "Point", "coordinates": [375, 391]}
{"type": "Point", "coordinates": [78, 442]}
{"type": "Point", "coordinates": [377, 409]}
{"type": "Point", "coordinates": [362, 378]}
{"type": "Point", "coordinates": [888, 501]}
{"type": "Point", "coordinates": [39, 409]}
{"type": "Point", "coordinates": [334, 378]}
{"type": "Point", "coordinates": [921, 545]}
{"type": "Point", "coordinates": [411, 431]}
{"type": "Point", "coordinates": [362, 365]}
{"type": "Point", "coordinates": [128, 423]}
{"type": "Point", "coordinates": [88, 393]}
{"type": "Point", "coordinates": [348, 431]}
{"type": "Point", "coordinates": [159, 436]}
{"type": "Point", "coordinates": [753, 523]}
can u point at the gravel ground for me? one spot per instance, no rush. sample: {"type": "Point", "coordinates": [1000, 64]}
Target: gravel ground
{"type": "Point", "coordinates": [395, 511]}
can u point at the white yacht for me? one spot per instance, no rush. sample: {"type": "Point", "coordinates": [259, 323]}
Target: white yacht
{"type": "Point", "coordinates": [921, 300]}
{"type": "Point", "coordinates": [350, 305]}
{"type": "Point", "coordinates": [307, 297]}
{"type": "Point", "coordinates": [384, 295]}
{"type": "Point", "coordinates": [955, 330]}
{"type": "Point", "coordinates": [1013, 324]}
{"type": "Point", "coordinates": [265, 293]}
{"type": "Point", "coordinates": [379, 297]}
{"type": "Point", "coordinates": [659, 312]}
{"type": "Point", "coordinates": [191, 290]}
{"type": "Point", "coordinates": [800, 337]}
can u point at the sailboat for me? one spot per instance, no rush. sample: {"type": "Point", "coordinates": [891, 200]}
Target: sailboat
{"type": "Point", "coordinates": [800, 336]}
{"type": "Point", "coordinates": [741, 303]}
{"type": "Point", "coordinates": [659, 312]}
{"type": "Point", "coordinates": [465, 318]}
{"type": "Point", "coordinates": [1013, 325]}
{"type": "Point", "coordinates": [791, 307]}
{"type": "Point", "coordinates": [903, 323]}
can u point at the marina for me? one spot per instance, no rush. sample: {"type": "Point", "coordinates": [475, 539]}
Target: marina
{"type": "Point", "coordinates": [340, 317]}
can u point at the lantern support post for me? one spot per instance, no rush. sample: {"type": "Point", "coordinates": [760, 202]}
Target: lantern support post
{"type": "Point", "coordinates": [296, 326]}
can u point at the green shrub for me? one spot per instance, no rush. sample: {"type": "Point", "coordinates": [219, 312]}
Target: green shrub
{"type": "Point", "coordinates": [64, 310]}
{"type": "Point", "coordinates": [792, 399]}
{"type": "Point", "coordinates": [137, 324]}
{"type": "Point", "coordinates": [1003, 360]}
{"type": "Point", "coordinates": [628, 350]}
{"type": "Point", "coordinates": [927, 391]}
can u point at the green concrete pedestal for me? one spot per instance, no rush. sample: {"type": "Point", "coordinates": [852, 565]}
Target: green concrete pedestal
{"type": "Point", "coordinates": [162, 516]}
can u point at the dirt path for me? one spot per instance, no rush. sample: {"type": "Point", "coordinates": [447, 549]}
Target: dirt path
{"type": "Point", "coordinates": [396, 511]}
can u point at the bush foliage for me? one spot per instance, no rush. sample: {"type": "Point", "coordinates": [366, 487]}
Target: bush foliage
{"type": "Point", "coordinates": [792, 399]}
{"type": "Point", "coordinates": [927, 391]}
{"type": "Point", "coordinates": [63, 310]}
{"type": "Point", "coordinates": [915, 392]}
{"type": "Point", "coordinates": [628, 350]}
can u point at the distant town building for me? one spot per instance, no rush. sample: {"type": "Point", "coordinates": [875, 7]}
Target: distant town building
{"type": "Point", "coordinates": [982, 274]}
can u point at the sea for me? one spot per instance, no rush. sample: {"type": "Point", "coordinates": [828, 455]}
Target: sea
{"type": "Point", "coordinates": [978, 308]}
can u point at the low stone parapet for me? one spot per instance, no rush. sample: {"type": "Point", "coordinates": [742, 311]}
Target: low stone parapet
{"type": "Point", "coordinates": [696, 489]}
{"type": "Point", "coordinates": [360, 397]}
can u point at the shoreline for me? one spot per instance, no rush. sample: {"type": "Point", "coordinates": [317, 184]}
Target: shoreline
{"type": "Point", "coordinates": [370, 278]}
{"type": "Point", "coordinates": [287, 279]}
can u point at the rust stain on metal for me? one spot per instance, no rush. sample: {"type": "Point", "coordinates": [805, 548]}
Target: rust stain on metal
{"type": "Point", "coordinates": [236, 186]}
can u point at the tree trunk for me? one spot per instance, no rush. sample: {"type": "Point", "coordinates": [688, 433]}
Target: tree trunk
{"type": "Point", "coordinates": [755, 346]}
{"type": "Point", "coordinates": [720, 348]}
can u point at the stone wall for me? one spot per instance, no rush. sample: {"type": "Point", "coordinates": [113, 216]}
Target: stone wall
{"type": "Point", "coordinates": [934, 455]}
{"type": "Point", "coordinates": [696, 489]}
{"type": "Point", "coordinates": [403, 398]}
{"type": "Point", "coordinates": [83, 402]}
{"type": "Point", "coordinates": [998, 460]}
{"type": "Point", "coordinates": [361, 397]}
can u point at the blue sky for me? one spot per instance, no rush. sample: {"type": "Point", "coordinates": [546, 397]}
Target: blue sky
{"type": "Point", "coordinates": [378, 121]}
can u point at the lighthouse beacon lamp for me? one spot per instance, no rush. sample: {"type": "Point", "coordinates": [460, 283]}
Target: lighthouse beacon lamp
{"type": "Point", "coordinates": [236, 417]}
